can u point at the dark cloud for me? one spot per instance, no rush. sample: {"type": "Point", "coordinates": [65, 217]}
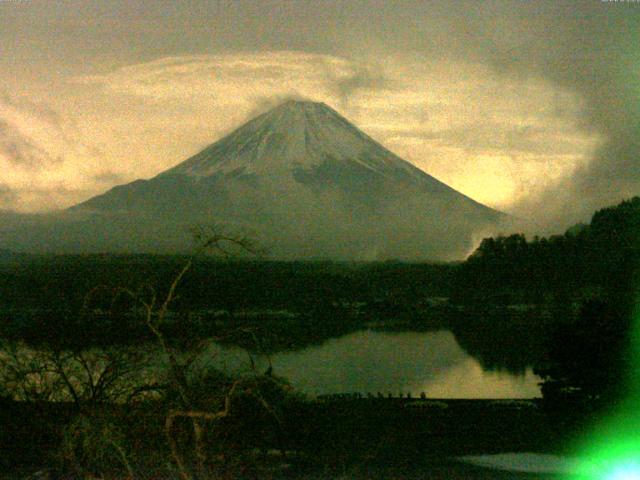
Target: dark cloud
{"type": "Point", "coordinates": [586, 47]}
{"type": "Point", "coordinates": [19, 150]}
{"type": "Point", "coordinates": [39, 109]}
{"type": "Point", "coordinates": [362, 77]}
{"type": "Point", "coordinates": [503, 139]}
{"type": "Point", "coordinates": [590, 49]}
{"type": "Point", "coordinates": [266, 103]}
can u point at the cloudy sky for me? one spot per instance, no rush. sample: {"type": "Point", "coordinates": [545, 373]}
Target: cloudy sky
{"type": "Point", "coordinates": [529, 106]}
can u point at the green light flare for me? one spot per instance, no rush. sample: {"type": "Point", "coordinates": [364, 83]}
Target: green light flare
{"type": "Point", "coordinates": [614, 459]}
{"type": "Point", "coordinates": [625, 472]}
{"type": "Point", "coordinates": [612, 451]}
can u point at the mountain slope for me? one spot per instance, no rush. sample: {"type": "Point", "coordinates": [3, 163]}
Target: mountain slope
{"type": "Point", "coordinates": [304, 180]}
{"type": "Point", "coordinates": [305, 142]}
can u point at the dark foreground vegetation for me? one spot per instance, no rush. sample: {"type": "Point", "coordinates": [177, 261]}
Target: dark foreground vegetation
{"type": "Point", "coordinates": [358, 437]}
{"type": "Point", "coordinates": [104, 367]}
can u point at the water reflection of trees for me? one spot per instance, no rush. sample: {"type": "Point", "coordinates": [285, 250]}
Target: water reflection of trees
{"type": "Point", "coordinates": [503, 340]}
{"type": "Point", "coordinates": [500, 339]}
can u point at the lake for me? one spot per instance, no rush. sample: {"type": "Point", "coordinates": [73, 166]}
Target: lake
{"type": "Point", "coordinates": [390, 362]}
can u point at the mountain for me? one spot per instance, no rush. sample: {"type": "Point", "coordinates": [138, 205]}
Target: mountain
{"type": "Point", "coordinates": [300, 178]}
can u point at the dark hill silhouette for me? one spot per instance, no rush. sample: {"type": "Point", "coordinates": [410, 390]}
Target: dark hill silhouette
{"type": "Point", "coordinates": [599, 259]}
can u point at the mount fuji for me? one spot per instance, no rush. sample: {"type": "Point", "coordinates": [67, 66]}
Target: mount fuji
{"type": "Point", "coordinates": [300, 178]}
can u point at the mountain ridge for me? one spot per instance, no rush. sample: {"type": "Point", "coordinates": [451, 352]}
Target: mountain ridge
{"type": "Point", "coordinates": [303, 180]}
{"type": "Point", "coordinates": [305, 138]}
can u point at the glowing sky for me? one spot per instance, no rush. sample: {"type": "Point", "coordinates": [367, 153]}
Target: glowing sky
{"type": "Point", "coordinates": [517, 104]}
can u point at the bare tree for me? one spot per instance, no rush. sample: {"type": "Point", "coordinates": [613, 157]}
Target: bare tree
{"type": "Point", "coordinates": [84, 377]}
{"type": "Point", "coordinates": [88, 377]}
{"type": "Point", "coordinates": [209, 240]}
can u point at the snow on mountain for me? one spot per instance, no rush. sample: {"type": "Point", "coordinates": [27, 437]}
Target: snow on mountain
{"type": "Point", "coordinates": [302, 178]}
{"type": "Point", "coordinates": [297, 138]}
{"type": "Point", "coordinates": [296, 134]}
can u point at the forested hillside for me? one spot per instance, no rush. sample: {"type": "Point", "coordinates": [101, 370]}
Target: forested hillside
{"type": "Point", "coordinates": [596, 259]}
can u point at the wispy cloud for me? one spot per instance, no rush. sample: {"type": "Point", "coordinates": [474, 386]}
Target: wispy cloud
{"type": "Point", "coordinates": [488, 96]}
{"type": "Point", "coordinates": [39, 155]}
{"type": "Point", "coordinates": [489, 135]}
{"type": "Point", "coordinates": [449, 128]}
{"type": "Point", "coordinates": [357, 78]}
{"type": "Point", "coordinates": [19, 150]}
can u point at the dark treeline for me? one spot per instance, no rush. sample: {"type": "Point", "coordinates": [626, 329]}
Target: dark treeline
{"type": "Point", "coordinates": [599, 258]}
{"type": "Point", "coordinates": [294, 304]}
{"type": "Point", "coordinates": [65, 281]}
{"type": "Point", "coordinates": [561, 304]}
{"type": "Point", "coordinates": [76, 299]}
{"type": "Point", "coordinates": [588, 280]}
{"type": "Point", "coordinates": [299, 303]}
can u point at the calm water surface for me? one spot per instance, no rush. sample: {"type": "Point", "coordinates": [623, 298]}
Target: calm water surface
{"type": "Point", "coordinates": [407, 362]}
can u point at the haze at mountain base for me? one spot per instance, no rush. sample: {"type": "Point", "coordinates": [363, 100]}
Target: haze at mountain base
{"type": "Point", "coordinates": [300, 178]}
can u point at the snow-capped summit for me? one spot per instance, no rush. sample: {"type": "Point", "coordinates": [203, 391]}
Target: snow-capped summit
{"type": "Point", "coordinates": [304, 142]}
{"type": "Point", "coordinates": [306, 181]}
{"type": "Point", "coordinates": [296, 136]}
